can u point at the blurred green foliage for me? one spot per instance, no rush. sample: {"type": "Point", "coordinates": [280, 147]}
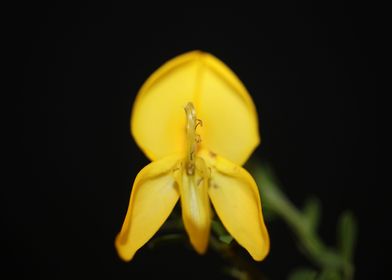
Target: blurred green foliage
{"type": "Point", "coordinates": [335, 263]}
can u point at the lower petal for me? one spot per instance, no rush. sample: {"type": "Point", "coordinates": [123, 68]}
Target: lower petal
{"type": "Point", "coordinates": [154, 195]}
{"type": "Point", "coordinates": [235, 197]}
{"type": "Point", "coordinates": [196, 210]}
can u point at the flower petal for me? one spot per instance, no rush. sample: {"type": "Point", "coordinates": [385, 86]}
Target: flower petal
{"type": "Point", "coordinates": [154, 195]}
{"type": "Point", "coordinates": [235, 197]}
{"type": "Point", "coordinates": [221, 101]}
{"type": "Point", "coordinates": [230, 123]}
{"type": "Point", "coordinates": [196, 209]}
{"type": "Point", "coordinates": [158, 119]}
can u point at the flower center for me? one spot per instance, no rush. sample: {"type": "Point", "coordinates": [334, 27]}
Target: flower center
{"type": "Point", "coordinates": [192, 138]}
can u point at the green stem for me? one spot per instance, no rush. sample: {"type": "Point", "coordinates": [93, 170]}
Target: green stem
{"type": "Point", "coordinates": [276, 201]}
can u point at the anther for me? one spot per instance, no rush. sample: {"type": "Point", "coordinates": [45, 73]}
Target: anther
{"type": "Point", "coordinates": [198, 122]}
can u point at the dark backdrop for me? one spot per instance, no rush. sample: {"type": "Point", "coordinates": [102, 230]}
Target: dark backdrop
{"type": "Point", "coordinates": [310, 72]}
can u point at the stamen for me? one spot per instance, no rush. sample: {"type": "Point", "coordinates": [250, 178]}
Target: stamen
{"type": "Point", "coordinates": [191, 137]}
{"type": "Point", "coordinates": [198, 122]}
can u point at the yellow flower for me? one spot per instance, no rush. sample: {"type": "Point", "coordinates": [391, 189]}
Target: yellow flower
{"type": "Point", "coordinates": [195, 158]}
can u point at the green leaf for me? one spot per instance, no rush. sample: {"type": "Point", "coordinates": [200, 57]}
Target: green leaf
{"type": "Point", "coordinates": [329, 274]}
{"type": "Point", "coordinates": [221, 232]}
{"type": "Point", "coordinates": [165, 239]}
{"type": "Point", "coordinates": [312, 211]}
{"type": "Point", "coordinates": [226, 238]}
{"type": "Point", "coordinates": [303, 274]}
{"type": "Point", "coordinates": [347, 235]}
{"type": "Point", "coordinates": [235, 273]}
{"type": "Point", "coordinates": [218, 228]}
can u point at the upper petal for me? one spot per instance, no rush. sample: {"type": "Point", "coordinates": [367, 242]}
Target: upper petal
{"type": "Point", "coordinates": [154, 195]}
{"type": "Point", "coordinates": [235, 197]}
{"type": "Point", "coordinates": [230, 123]}
{"type": "Point", "coordinates": [221, 101]}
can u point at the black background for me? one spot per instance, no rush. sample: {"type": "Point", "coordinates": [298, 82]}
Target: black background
{"type": "Point", "coordinates": [308, 67]}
